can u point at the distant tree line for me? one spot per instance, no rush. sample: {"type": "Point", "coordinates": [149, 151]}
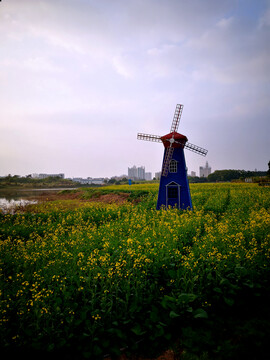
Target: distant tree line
{"type": "Point", "coordinates": [197, 179]}
{"type": "Point", "coordinates": [218, 175]}
{"type": "Point", "coordinates": [16, 180]}
{"type": "Point", "coordinates": [229, 175]}
{"type": "Point", "coordinates": [114, 181]}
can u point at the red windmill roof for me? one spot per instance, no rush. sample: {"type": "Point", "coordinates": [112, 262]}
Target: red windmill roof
{"type": "Point", "coordinates": [177, 137]}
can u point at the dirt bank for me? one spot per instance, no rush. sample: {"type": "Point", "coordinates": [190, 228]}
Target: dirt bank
{"type": "Point", "coordinates": [111, 198]}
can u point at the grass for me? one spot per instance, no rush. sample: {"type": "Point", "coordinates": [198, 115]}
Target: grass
{"type": "Point", "coordinates": [92, 279]}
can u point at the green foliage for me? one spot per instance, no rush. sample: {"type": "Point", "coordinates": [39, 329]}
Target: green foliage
{"type": "Point", "coordinates": [197, 179]}
{"type": "Point", "coordinates": [91, 280]}
{"type": "Point", "coordinates": [229, 175]}
{"type": "Point", "coordinates": [29, 182]}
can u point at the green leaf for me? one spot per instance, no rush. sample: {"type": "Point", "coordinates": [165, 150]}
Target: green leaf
{"type": "Point", "coordinates": [209, 276]}
{"type": "Point", "coordinates": [186, 298]}
{"type": "Point", "coordinates": [137, 330]}
{"type": "Point", "coordinates": [173, 315]}
{"type": "Point", "coordinates": [169, 298]}
{"type": "Point", "coordinates": [218, 290]}
{"type": "Point", "coordinates": [58, 300]}
{"type": "Point", "coordinates": [117, 332]}
{"type": "Point", "coordinates": [249, 284]}
{"type": "Point", "coordinates": [167, 301]}
{"type": "Point", "coordinates": [162, 324]}
{"type": "Point", "coordinates": [200, 313]}
{"type": "Point", "coordinates": [240, 270]}
{"type": "Point", "coordinates": [224, 281]}
{"type": "Point", "coordinates": [229, 301]}
{"type": "Point", "coordinates": [51, 347]}
{"type": "Point", "coordinates": [172, 273]}
{"type": "Point", "coordinates": [154, 315]}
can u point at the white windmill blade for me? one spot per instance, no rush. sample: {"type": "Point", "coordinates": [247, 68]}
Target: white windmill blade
{"type": "Point", "coordinates": [177, 117]}
{"type": "Point", "coordinates": [167, 159]}
{"type": "Point", "coordinates": [196, 149]}
{"type": "Point", "coordinates": [149, 137]}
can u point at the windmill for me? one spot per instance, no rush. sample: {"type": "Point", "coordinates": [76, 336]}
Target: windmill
{"type": "Point", "coordinates": [174, 188]}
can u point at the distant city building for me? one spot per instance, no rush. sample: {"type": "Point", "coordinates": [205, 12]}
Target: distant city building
{"type": "Point", "coordinates": [89, 181]}
{"type": "Point", "coordinates": [44, 176]}
{"type": "Point", "coordinates": [98, 181]}
{"type": "Point", "coordinates": [193, 173]}
{"type": "Point", "coordinates": [158, 175]}
{"type": "Point", "coordinates": [132, 172]}
{"type": "Point", "coordinates": [82, 181]}
{"type": "Point", "coordinates": [205, 171]}
{"type": "Point", "coordinates": [148, 176]}
{"type": "Point", "coordinates": [135, 173]}
{"type": "Point", "coordinates": [141, 173]}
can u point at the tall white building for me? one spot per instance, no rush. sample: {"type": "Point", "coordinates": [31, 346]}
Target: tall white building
{"type": "Point", "coordinates": [141, 173]}
{"type": "Point", "coordinates": [205, 171]}
{"type": "Point", "coordinates": [135, 173]}
{"type": "Point", "coordinates": [132, 172]}
{"type": "Point", "coordinates": [148, 176]}
{"type": "Point", "coordinates": [158, 175]}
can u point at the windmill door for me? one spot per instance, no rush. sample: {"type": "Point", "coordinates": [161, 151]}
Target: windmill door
{"type": "Point", "coordinates": [173, 194]}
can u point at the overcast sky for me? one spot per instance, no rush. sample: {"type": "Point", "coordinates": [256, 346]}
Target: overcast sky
{"type": "Point", "coordinates": [79, 79]}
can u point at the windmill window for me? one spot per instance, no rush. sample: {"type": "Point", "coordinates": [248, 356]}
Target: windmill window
{"type": "Point", "coordinates": [173, 166]}
{"type": "Point", "coordinates": [172, 192]}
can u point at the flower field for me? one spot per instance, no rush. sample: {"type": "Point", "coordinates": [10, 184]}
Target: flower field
{"type": "Point", "coordinates": [88, 279]}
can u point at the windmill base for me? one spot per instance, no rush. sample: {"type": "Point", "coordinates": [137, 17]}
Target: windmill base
{"type": "Point", "coordinates": [174, 188]}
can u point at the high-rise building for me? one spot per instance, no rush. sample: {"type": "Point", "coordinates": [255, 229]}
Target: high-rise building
{"type": "Point", "coordinates": [141, 173]}
{"type": "Point", "coordinates": [205, 171]}
{"type": "Point", "coordinates": [158, 175]}
{"type": "Point", "coordinates": [148, 176]}
{"type": "Point", "coordinates": [136, 173]}
{"type": "Point", "coordinates": [132, 172]}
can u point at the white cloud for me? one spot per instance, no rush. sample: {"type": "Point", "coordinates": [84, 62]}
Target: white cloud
{"type": "Point", "coordinates": [264, 21]}
{"type": "Point", "coordinates": [225, 22]}
{"type": "Point", "coordinates": [122, 66]}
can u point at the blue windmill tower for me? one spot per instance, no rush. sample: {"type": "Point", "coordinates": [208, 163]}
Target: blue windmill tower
{"type": "Point", "coordinates": [174, 188]}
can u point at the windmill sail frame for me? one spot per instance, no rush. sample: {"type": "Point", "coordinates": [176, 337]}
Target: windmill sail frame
{"type": "Point", "coordinates": [173, 142]}
{"type": "Point", "coordinates": [167, 159]}
{"type": "Point", "coordinates": [177, 117]}
{"type": "Point", "coordinates": [149, 137]}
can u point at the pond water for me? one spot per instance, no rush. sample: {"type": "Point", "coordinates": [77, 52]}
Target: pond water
{"type": "Point", "coordinates": [11, 199]}
{"type": "Point", "coordinates": [9, 206]}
